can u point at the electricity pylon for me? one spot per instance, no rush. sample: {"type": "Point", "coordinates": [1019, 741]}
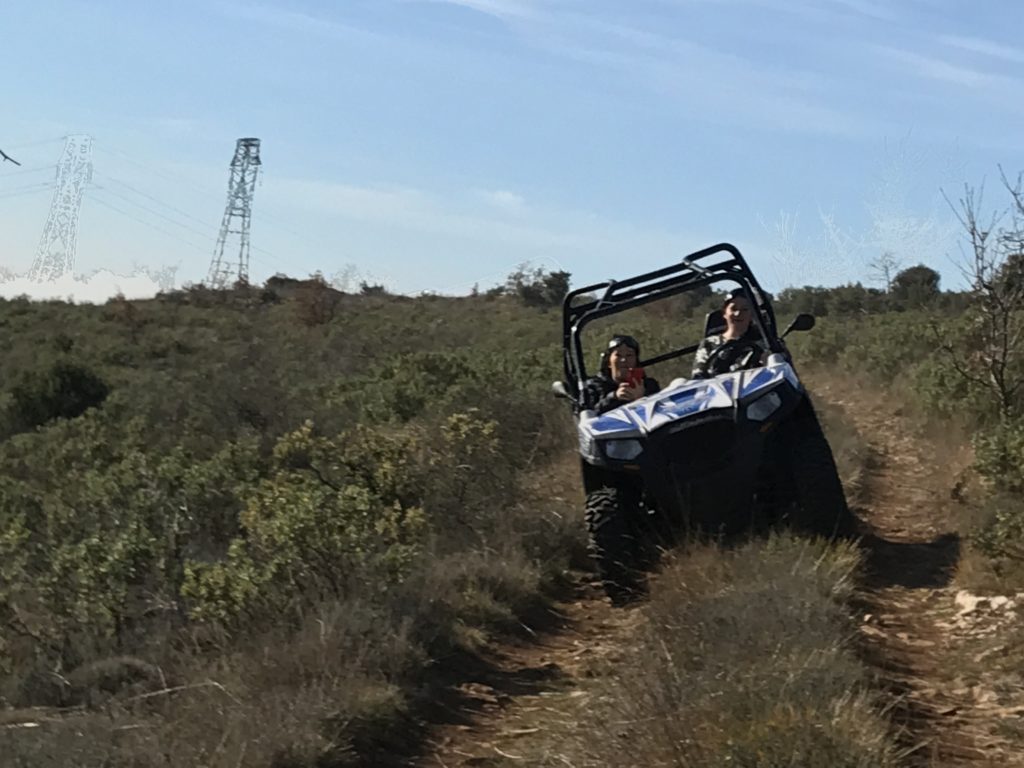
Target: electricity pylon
{"type": "Point", "coordinates": [56, 253]}
{"type": "Point", "coordinates": [237, 214]}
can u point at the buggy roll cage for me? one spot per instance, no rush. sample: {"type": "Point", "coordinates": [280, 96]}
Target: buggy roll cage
{"type": "Point", "coordinates": [711, 265]}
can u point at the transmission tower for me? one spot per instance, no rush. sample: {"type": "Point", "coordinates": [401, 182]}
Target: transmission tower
{"type": "Point", "coordinates": [56, 253]}
{"type": "Point", "coordinates": [245, 168]}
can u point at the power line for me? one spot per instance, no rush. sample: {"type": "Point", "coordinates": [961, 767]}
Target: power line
{"type": "Point", "coordinates": [29, 170]}
{"type": "Point", "coordinates": [277, 260]}
{"type": "Point", "coordinates": [150, 210]}
{"type": "Point", "coordinates": [27, 144]}
{"type": "Point", "coordinates": [155, 171]}
{"type": "Point", "coordinates": [107, 204]}
{"type": "Point", "coordinates": [29, 189]}
{"type": "Point", "coordinates": [275, 221]}
{"type": "Point", "coordinates": [158, 202]}
{"type": "Point", "coordinates": [145, 223]}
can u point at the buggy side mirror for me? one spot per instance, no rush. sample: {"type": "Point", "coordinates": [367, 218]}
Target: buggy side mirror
{"type": "Point", "coordinates": [559, 389]}
{"type": "Point", "coordinates": [802, 322]}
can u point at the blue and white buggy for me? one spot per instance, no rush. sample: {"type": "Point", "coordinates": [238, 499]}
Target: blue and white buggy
{"type": "Point", "coordinates": [717, 455]}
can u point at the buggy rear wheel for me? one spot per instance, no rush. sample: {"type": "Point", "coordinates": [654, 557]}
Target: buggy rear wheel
{"type": "Point", "coordinates": [820, 502]}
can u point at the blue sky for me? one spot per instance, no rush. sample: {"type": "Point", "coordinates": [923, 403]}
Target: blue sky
{"type": "Point", "coordinates": [434, 144]}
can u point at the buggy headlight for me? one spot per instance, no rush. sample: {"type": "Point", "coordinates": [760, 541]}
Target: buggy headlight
{"type": "Point", "coordinates": [623, 450]}
{"type": "Point", "coordinates": [764, 406]}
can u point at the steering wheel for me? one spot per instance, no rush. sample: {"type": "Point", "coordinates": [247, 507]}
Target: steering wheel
{"type": "Point", "coordinates": [734, 355]}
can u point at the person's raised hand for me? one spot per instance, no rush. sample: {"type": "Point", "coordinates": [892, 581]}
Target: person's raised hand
{"type": "Point", "coordinates": [629, 392]}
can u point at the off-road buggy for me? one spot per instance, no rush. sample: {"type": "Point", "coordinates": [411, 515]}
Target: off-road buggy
{"type": "Point", "coordinates": [720, 454]}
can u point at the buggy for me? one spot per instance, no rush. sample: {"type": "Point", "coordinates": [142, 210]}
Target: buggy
{"type": "Point", "coordinates": [718, 455]}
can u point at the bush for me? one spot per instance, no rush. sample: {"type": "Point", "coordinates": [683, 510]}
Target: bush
{"type": "Point", "coordinates": [999, 456]}
{"type": "Point", "coordinates": [999, 460]}
{"type": "Point", "coordinates": [537, 288]}
{"type": "Point", "coordinates": [64, 391]}
{"type": "Point", "coordinates": [916, 285]}
{"type": "Point", "coordinates": [305, 536]}
{"type": "Point", "coordinates": [316, 302]}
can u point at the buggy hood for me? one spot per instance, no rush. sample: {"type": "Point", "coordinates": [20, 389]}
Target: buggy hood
{"type": "Point", "coordinates": [684, 398]}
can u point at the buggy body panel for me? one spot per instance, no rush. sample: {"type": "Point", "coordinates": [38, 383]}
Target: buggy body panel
{"type": "Point", "coordinates": [696, 447]}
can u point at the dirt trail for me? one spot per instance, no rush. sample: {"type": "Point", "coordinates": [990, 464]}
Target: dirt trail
{"type": "Point", "coordinates": [518, 709]}
{"type": "Point", "coordinates": [925, 637]}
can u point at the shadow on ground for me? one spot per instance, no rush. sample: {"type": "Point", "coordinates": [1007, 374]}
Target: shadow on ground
{"type": "Point", "coordinates": [912, 565]}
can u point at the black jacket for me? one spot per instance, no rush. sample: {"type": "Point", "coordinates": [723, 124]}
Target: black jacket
{"type": "Point", "coordinates": [599, 392]}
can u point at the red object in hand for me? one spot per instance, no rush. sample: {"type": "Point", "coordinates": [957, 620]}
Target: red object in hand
{"type": "Point", "coordinates": [636, 376]}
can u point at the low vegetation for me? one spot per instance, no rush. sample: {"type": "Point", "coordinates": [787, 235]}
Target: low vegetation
{"type": "Point", "coordinates": [228, 532]}
{"type": "Point", "coordinates": [747, 658]}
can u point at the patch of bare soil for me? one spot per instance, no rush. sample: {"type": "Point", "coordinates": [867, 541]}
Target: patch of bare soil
{"type": "Point", "coordinates": [930, 641]}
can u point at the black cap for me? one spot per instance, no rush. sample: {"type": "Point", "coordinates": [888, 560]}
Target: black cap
{"type": "Point", "coordinates": [620, 339]}
{"type": "Point", "coordinates": [736, 293]}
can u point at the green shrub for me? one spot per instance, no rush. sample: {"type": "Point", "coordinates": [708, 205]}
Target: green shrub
{"type": "Point", "coordinates": [305, 537]}
{"type": "Point", "coordinates": [64, 391]}
{"type": "Point", "coordinates": [999, 460]}
{"type": "Point", "coordinates": [999, 456]}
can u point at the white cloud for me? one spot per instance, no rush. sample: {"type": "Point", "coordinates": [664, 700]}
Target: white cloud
{"type": "Point", "coordinates": [939, 69]}
{"type": "Point", "coordinates": [504, 200]}
{"type": "Point", "coordinates": [874, 10]}
{"type": "Point", "coordinates": [296, 21]}
{"type": "Point", "coordinates": [385, 204]}
{"type": "Point", "coordinates": [985, 47]}
{"type": "Point", "coordinates": [992, 90]}
{"type": "Point", "coordinates": [502, 9]}
{"type": "Point", "coordinates": [93, 289]}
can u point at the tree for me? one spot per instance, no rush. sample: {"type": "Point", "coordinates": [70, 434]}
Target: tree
{"type": "Point", "coordinates": [884, 268]}
{"type": "Point", "coordinates": [1011, 273]}
{"type": "Point", "coordinates": [995, 360]}
{"type": "Point", "coordinates": [372, 289]}
{"type": "Point", "coordinates": [916, 285]}
{"type": "Point", "coordinates": [537, 288]}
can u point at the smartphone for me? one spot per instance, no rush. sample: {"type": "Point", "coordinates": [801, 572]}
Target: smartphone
{"type": "Point", "coordinates": [636, 376]}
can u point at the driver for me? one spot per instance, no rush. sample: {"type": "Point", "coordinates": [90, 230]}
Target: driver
{"type": "Point", "coordinates": [738, 312]}
{"type": "Point", "coordinates": [616, 383]}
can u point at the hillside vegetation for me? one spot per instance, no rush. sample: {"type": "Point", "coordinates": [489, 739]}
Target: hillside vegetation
{"type": "Point", "coordinates": [252, 524]}
{"type": "Point", "coordinates": [251, 527]}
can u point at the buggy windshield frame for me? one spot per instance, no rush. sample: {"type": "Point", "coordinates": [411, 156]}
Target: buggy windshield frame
{"type": "Point", "coordinates": [717, 263]}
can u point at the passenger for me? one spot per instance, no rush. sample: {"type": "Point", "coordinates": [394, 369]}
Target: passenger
{"type": "Point", "coordinates": [615, 383]}
{"type": "Point", "coordinates": [738, 312]}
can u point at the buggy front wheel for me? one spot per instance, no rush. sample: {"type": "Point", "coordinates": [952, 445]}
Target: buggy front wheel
{"type": "Point", "coordinates": [612, 516]}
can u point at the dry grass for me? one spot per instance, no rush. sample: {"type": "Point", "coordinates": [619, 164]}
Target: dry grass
{"type": "Point", "coordinates": [852, 454]}
{"type": "Point", "coordinates": [746, 659]}
{"type": "Point", "coordinates": [323, 690]}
